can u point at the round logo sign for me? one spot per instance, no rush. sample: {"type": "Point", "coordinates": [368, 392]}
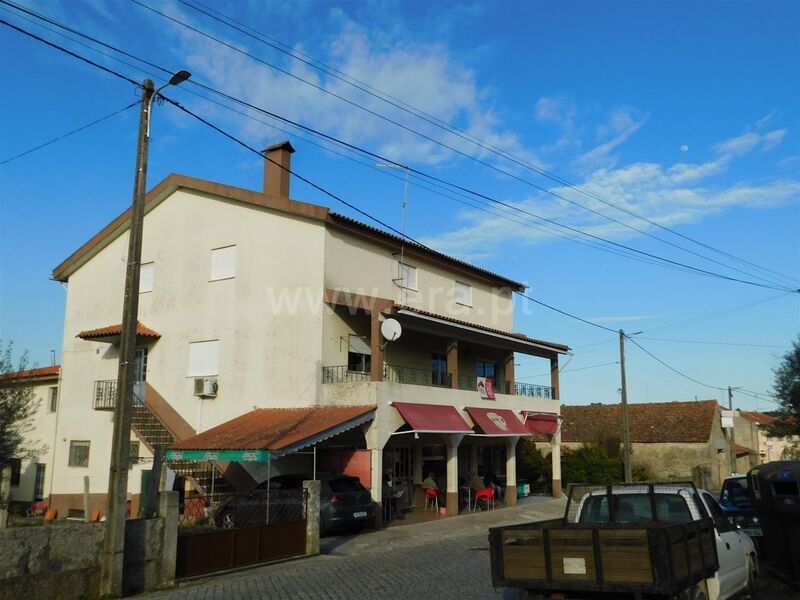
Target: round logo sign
{"type": "Point", "coordinates": [498, 420]}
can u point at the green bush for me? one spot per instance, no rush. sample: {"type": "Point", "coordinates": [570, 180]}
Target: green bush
{"type": "Point", "coordinates": [531, 463]}
{"type": "Point", "coordinates": [590, 464]}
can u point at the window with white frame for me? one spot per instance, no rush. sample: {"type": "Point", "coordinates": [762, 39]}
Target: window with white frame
{"type": "Point", "coordinates": [53, 399]}
{"type": "Point", "coordinates": [406, 276]}
{"type": "Point", "coordinates": [147, 273]}
{"type": "Point", "coordinates": [203, 358]}
{"type": "Point", "coordinates": [223, 263]}
{"type": "Point", "coordinates": [79, 453]}
{"type": "Point", "coordinates": [463, 294]}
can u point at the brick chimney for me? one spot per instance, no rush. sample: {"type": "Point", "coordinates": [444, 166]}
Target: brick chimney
{"type": "Point", "coordinates": [276, 179]}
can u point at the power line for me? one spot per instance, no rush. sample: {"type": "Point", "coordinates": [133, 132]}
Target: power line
{"type": "Point", "coordinates": [667, 262]}
{"type": "Point", "coordinates": [314, 185]}
{"type": "Point", "coordinates": [711, 343]}
{"type": "Point", "coordinates": [757, 396]}
{"type": "Point", "coordinates": [69, 133]}
{"type": "Point", "coordinates": [616, 362]}
{"type": "Point", "coordinates": [410, 109]}
{"type": "Point", "coordinates": [671, 368]}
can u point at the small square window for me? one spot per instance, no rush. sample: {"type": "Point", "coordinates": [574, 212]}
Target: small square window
{"type": "Point", "coordinates": [223, 263]}
{"type": "Point", "coordinates": [53, 399]}
{"type": "Point", "coordinates": [463, 294]}
{"type": "Point", "coordinates": [407, 276]}
{"type": "Point", "coordinates": [147, 272]}
{"type": "Point", "coordinates": [79, 453]}
{"type": "Point", "coordinates": [203, 358]}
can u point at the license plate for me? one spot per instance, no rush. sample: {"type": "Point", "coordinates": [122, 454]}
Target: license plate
{"type": "Point", "coordinates": [753, 532]}
{"type": "Point", "coordinates": [360, 515]}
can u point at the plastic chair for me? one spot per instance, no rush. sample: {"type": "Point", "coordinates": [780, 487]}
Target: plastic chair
{"type": "Point", "coordinates": [431, 498]}
{"type": "Point", "coordinates": [487, 496]}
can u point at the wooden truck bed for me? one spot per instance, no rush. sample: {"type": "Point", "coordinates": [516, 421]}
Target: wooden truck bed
{"type": "Point", "coordinates": [651, 559]}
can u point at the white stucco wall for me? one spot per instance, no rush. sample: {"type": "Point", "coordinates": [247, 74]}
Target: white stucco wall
{"type": "Point", "coordinates": [358, 265]}
{"type": "Point", "coordinates": [41, 439]}
{"type": "Point", "coordinates": [267, 318]}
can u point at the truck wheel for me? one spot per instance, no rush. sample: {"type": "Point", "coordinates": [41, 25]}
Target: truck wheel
{"type": "Point", "coordinates": [696, 593]}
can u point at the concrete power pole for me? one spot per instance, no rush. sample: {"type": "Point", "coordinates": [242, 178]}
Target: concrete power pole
{"type": "Point", "coordinates": [626, 431]}
{"type": "Point", "coordinates": [733, 430]}
{"type": "Point", "coordinates": [116, 502]}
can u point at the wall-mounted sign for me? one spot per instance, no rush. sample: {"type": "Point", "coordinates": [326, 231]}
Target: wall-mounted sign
{"type": "Point", "coordinates": [259, 456]}
{"type": "Point", "coordinates": [486, 388]}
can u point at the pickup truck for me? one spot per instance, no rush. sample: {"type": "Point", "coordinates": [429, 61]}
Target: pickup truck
{"type": "Point", "coordinates": [639, 541]}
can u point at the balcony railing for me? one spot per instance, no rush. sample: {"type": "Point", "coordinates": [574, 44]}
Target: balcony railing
{"type": "Point", "coordinates": [414, 376]}
{"type": "Point", "coordinates": [534, 391]}
{"type": "Point", "coordinates": [105, 394]}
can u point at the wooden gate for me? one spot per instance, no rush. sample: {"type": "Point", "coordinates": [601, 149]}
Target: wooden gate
{"type": "Point", "coordinates": [226, 531]}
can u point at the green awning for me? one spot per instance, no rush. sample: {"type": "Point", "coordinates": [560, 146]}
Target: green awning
{"type": "Point", "coordinates": [251, 456]}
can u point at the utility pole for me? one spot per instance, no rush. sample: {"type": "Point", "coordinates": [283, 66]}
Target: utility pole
{"type": "Point", "coordinates": [732, 431]}
{"type": "Point", "coordinates": [626, 426]}
{"type": "Point", "coordinates": [117, 497]}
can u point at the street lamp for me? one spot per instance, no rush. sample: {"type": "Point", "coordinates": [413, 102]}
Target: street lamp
{"type": "Point", "coordinates": [116, 501]}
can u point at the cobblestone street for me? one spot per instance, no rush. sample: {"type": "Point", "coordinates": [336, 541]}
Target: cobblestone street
{"type": "Point", "coordinates": [443, 559]}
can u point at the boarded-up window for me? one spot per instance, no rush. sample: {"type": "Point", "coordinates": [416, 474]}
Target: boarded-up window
{"type": "Point", "coordinates": [79, 453]}
{"type": "Point", "coordinates": [203, 358]}
{"type": "Point", "coordinates": [223, 263]}
{"type": "Point", "coordinates": [463, 294]}
{"type": "Point", "coordinates": [147, 273]}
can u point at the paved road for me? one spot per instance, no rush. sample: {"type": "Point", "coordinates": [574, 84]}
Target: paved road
{"type": "Point", "coordinates": [442, 559]}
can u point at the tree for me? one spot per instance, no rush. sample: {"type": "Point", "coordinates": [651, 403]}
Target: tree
{"type": "Point", "coordinates": [18, 405]}
{"type": "Point", "coordinates": [590, 464]}
{"type": "Point", "coordinates": [787, 391]}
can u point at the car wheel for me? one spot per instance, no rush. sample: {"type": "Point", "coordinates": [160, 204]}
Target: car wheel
{"type": "Point", "coordinates": [694, 593]}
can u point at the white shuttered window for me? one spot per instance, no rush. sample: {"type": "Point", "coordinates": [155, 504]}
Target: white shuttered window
{"type": "Point", "coordinates": [463, 294]}
{"type": "Point", "coordinates": [147, 272]}
{"type": "Point", "coordinates": [203, 358]}
{"type": "Point", "coordinates": [223, 263]}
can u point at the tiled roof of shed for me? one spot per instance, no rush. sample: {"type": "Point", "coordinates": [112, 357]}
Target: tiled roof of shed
{"type": "Point", "coordinates": [112, 330]}
{"type": "Point", "coordinates": [658, 422]}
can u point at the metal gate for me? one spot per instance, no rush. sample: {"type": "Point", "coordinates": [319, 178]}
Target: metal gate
{"type": "Point", "coordinates": [225, 531]}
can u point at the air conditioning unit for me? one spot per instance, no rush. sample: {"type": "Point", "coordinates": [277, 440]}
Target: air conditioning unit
{"type": "Point", "coordinates": [205, 387]}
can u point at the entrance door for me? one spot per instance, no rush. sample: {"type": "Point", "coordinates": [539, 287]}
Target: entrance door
{"type": "Point", "coordinates": [141, 375]}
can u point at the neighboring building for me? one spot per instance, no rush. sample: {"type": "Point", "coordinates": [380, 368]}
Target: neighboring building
{"type": "Point", "coordinates": [30, 477]}
{"type": "Point", "coordinates": [763, 448]}
{"type": "Point", "coordinates": [250, 300]}
{"type": "Point", "coordinates": [675, 440]}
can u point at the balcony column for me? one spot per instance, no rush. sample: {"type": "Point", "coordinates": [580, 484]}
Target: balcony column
{"type": "Point", "coordinates": [509, 373]}
{"type": "Point", "coordinates": [511, 470]}
{"type": "Point", "coordinates": [555, 440]}
{"type": "Point", "coordinates": [452, 363]}
{"type": "Point", "coordinates": [375, 338]}
{"type": "Point", "coordinates": [452, 442]}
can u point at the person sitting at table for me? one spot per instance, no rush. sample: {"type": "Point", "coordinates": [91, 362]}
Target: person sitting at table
{"type": "Point", "coordinates": [430, 482]}
{"type": "Point", "coordinates": [492, 481]}
{"type": "Point", "coordinates": [475, 483]}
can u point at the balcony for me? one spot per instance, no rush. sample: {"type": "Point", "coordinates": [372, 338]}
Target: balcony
{"type": "Point", "coordinates": [105, 394]}
{"type": "Point", "coordinates": [413, 376]}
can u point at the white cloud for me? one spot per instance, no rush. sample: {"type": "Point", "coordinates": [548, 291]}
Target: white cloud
{"type": "Point", "coordinates": [747, 142]}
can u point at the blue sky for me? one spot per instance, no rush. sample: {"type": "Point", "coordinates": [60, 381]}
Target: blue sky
{"type": "Point", "coordinates": [683, 113]}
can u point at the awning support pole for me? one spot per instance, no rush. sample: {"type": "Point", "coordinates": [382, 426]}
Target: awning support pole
{"type": "Point", "coordinates": [314, 474]}
{"type": "Point", "coordinates": [213, 477]}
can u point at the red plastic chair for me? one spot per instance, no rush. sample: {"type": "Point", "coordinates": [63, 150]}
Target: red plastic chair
{"type": "Point", "coordinates": [487, 496]}
{"type": "Point", "coordinates": [431, 498]}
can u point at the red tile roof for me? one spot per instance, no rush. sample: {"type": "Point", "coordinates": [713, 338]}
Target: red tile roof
{"type": "Point", "coordinates": [743, 449]}
{"type": "Point", "coordinates": [114, 330]}
{"type": "Point", "coordinates": [519, 336]}
{"type": "Point", "coordinates": [312, 211]}
{"type": "Point", "coordinates": [759, 417]}
{"type": "Point", "coordinates": [273, 428]}
{"type": "Point", "coordinates": [45, 373]}
{"type": "Point", "coordinates": [679, 422]}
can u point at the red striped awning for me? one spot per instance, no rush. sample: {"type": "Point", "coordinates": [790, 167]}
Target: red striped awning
{"type": "Point", "coordinates": [497, 422]}
{"type": "Point", "coordinates": [541, 423]}
{"type": "Point", "coordinates": [432, 418]}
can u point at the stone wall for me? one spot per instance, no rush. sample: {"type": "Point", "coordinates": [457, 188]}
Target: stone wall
{"type": "Point", "coordinates": [62, 559]}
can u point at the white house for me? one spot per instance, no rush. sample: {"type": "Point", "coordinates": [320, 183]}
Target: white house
{"type": "Point", "coordinates": [251, 300]}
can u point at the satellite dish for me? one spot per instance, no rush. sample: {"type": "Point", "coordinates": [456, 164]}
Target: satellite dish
{"type": "Point", "coordinates": [391, 329]}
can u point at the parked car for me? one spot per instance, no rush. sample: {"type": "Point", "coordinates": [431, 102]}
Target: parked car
{"type": "Point", "coordinates": [344, 503]}
{"type": "Point", "coordinates": [736, 503]}
{"type": "Point", "coordinates": [636, 540]}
